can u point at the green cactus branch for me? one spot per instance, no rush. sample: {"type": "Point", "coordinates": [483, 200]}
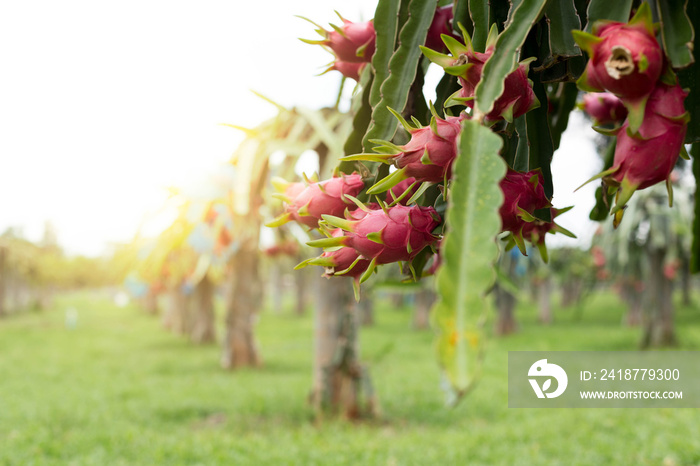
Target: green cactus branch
{"type": "Point", "coordinates": [402, 70]}
{"type": "Point", "coordinates": [469, 252]}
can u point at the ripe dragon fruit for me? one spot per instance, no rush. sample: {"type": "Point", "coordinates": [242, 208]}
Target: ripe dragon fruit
{"type": "Point", "coordinates": [518, 97]}
{"type": "Point", "coordinates": [308, 205]}
{"type": "Point", "coordinates": [536, 230]}
{"type": "Point", "coordinates": [342, 262]}
{"type": "Point", "coordinates": [383, 235]}
{"type": "Point", "coordinates": [427, 157]}
{"type": "Point", "coordinates": [625, 59]}
{"type": "Point", "coordinates": [604, 108]}
{"type": "Point", "coordinates": [647, 157]}
{"type": "Point", "coordinates": [442, 24]}
{"type": "Point", "coordinates": [348, 69]}
{"type": "Point", "coordinates": [353, 45]}
{"type": "Point", "coordinates": [523, 193]}
{"type": "Point", "coordinates": [402, 192]}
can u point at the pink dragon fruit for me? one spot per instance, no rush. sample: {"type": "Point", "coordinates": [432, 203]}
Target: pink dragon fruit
{"type": "Point", "coordinates": [383, 236]}
{"type": "Point", "coordinates": [427, 157]}
{"type": "Point", "coordinates": [317, 199]}
{"type": "Point", "coordinates": [402, 191]}
{"type": "Point", "coordinates": [625, 59]}
{"type": "Point", "coordinates": [604, 108]}
{"type": "Point", "coordinates": [348, 69]}
{"type": "Point", "coordinates": [535, 231]}
{"type": "Point", "coordinates": [518, 97]}
{"type": "Point", "coordinates": [442, 24]}
{"type": "Point", "coordinates": [342, 262]}
{"type": "Point", "coordinates": [523, 193]}
{"type": "Point", "coordinates": [352, 44]}
{"type": "Point", "coordinates": [647, 157]}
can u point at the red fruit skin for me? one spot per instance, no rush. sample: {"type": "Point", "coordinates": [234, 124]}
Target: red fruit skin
{"type": "Point", "coordinates": [399, 227]}
{"type": "Point", "coordinates": [472, 76]}
{"type": "Point", "coordinates": [648, 157]}
{"type": "Point", "coordinates": [294, 189]}
{"type": "Point", "coordinates": [519, 192]}
{"type": "Point", "coordinates": [517, 92]}
{"type": "Point", "coordinates": [437, 259]}
{"type": "Point", "coordinates": [396, 192]}
{"type": "Point", "coordinates": [536, 231]}
{"type": "Point", "coordinates": [350, 70]}
{"type": "Point", "coordinates": [605, 108]}
{"type": "Point", "coordinates": [343, 258]}
{"type": "Point", "coordinates": [356, 36]}
{"type": "Point", "coordinates": [441, 150]}
{"type": "Point", "coordinates": [442, 24]}
{"type": "Point", "coordinates": [325, 198]}
{"type": "Point", "coordinates": [638, 42]}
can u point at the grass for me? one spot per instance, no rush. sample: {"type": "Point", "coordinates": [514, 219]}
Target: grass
{"type": "Point", "coordinates": [118, 390]}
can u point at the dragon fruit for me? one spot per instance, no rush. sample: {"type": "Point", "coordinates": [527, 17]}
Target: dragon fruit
{"type": "Point", "coordinates": [317, 199]}
{"type": "Point", "coordinates": [647, 157]}
{"type": "Point", "coordinates": [352, 44]}
{"type": "Point", "coordinates": [341, 262]}
{"type": "Point", "coordinates": [604, 108]}
{"type": "Point", "coordinates": [442, 24]}
{"type": "Point", "coordinates": [427, 157]}
{"type": "Point", "coordinates": [392, 234]}
{"type": "Point", "coordinates": [625, 59]}
{"type": "Point", "coordinates": [536, 230]}
{"type": "Point", "coordinates": [348, 69]}
{"type": "Point", "coordinates": [523, 193]}
{"type": "Point", "coordinates": [402, 192]}
{"type": "Point", "coordinates": [518, 97]}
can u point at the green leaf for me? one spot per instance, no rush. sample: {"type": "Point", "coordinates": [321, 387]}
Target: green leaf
{"type": "Point", "coordinates": [562, 18]}
{"type": "Point", "coordinates": [677, 31]}
{"type": "Point", "coordinates": [402, 70]}
{"type": "Point", "coordinates": [505, 57]}
{"type": "Point", "coordinates": [386, 26]}
{"type": "Point", "coordinates": [614, 10]}
{"type": "Point", "coordinates": [479, 12]}
{"type": "Point", "coordinates": [695, 251]}
{"type": "Point", "coordinates": [469, 251]}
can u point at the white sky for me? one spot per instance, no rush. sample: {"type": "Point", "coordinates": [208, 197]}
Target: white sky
{"type": "Point", "coordinates": [103, 104]}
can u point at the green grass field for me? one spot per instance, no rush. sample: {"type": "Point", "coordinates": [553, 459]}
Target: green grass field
{"type": "Point", "coordinates": [118, 390]}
